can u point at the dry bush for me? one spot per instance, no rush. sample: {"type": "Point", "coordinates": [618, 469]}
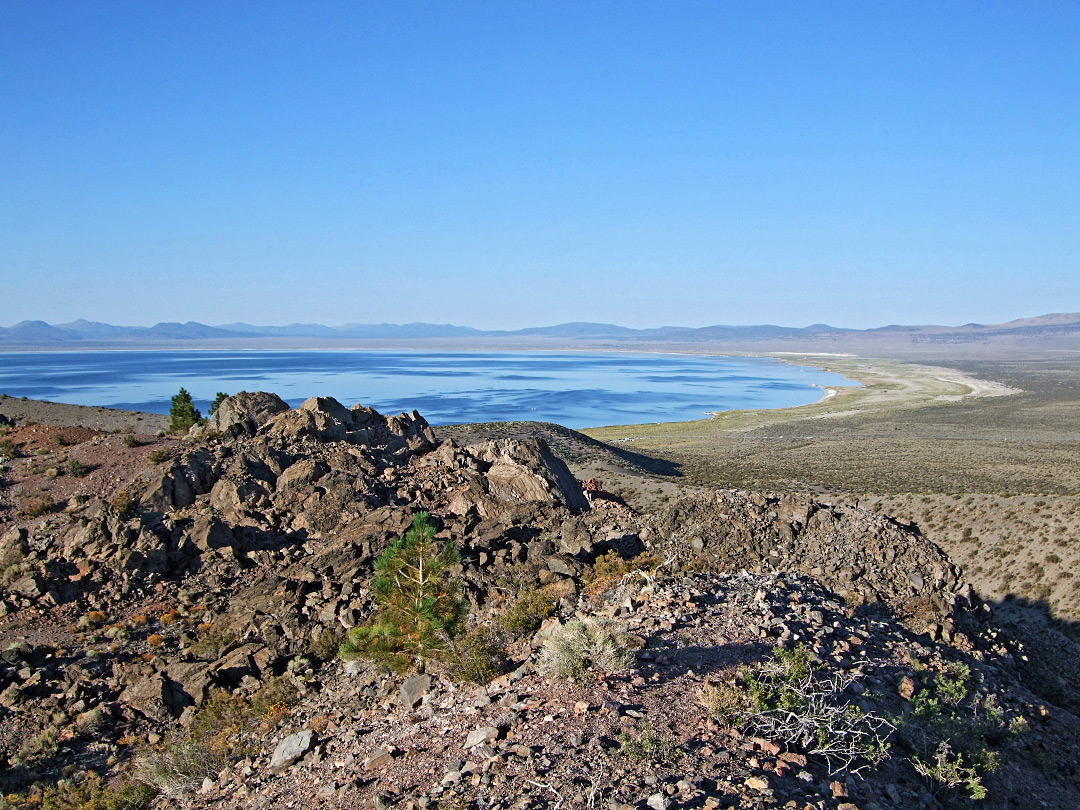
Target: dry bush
{"type": "Point", "coordinates": [477, 656]}
{"type": "Point", "coordinates": [37, 505]}
{"type": "Point", "coordinates": [124, 502]}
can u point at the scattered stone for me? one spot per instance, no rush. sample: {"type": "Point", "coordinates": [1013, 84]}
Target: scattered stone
{"type": "Point", "coordinates": [907, 687]}
{"type": "Point", "coordinates": [290, 750]}
{"type": "Point", "coordinates": [480, 736]}
{"type": "Point", "coordinates": [413, 690]}
{"type": "Point", "coordinates": [378, 758]}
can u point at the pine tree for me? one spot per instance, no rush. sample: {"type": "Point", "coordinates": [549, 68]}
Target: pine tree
{"type": "Point", "coordinates": [419, 605]}
{"type": "Point", "coordinates": [183, 413]}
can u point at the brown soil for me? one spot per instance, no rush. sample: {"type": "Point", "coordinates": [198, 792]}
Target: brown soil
{"type": "Point", "coordinates": [55, 465]}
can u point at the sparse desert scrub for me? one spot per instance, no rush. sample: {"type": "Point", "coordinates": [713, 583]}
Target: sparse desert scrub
{"type": "Point", "coordinates": [37, 505]}
{"type": "Point", "coordinates": [611, 568]}
{"type": "Point", "coordinates": [89, 793]}
{"type": "Point", "coordinates": [75, 468]}
{"type": "Point", "coordinates": [648, 745]}
{"type": "Point", "coordinates": [953, 733]}
{"type": "Point", "coordinates": [225, 725]}
{"type": "Point", "coordinates": [124, 502]}
{"type": "Point", "coordinates": [789, 701]}
{"type": "Point", "coordinates": [212, 643]}
{"type": "Point", "coordinates": [159, 454]}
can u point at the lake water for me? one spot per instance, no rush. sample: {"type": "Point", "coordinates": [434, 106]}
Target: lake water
{"type": "Point", "coordinates": [575, 389]}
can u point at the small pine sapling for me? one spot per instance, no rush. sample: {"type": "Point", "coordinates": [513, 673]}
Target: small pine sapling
{"type": "Point", "coordinates": [183, 414]}
{"type": "Point", "coordinates": [419, 605]}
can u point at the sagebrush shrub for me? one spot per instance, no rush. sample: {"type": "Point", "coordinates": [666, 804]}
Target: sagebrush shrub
{"type": "Point", "coordinates": [582, 645]}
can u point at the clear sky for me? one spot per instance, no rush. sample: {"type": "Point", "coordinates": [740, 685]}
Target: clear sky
{"type": "Point", "coordinates": [528, 163]}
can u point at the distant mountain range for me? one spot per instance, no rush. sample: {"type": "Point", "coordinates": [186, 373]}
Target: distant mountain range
{"type": "Point", "coordinates": [1060, 330]}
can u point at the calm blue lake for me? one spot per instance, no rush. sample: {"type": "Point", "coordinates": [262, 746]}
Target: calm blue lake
{"type": "Point", "coordinates": [575, 389]}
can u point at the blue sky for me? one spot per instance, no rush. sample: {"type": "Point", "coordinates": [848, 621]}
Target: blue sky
{"type": "Point", "coordinates": [529, 163]}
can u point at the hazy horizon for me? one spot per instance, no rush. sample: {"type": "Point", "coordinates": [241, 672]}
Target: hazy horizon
{"type": "Point", "coordinates": [462, 325]}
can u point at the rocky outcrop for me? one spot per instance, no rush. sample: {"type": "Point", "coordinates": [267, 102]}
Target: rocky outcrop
{"type": "Point", "coordinates": [527, 471]}
{"type": "Point", "coordinates": [177, 486]}
{"type": "Point", "coordinates": [242, 414]}
{"type": "Point", "coordinates": [324, 419]}
{"type": "Point", "coordinates": [858, 553]}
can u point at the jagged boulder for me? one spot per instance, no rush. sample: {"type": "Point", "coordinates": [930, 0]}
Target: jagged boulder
{"type": "Point", "coordinates": [527, 471]}
{"type": "Point", "coordinates": [178, 484]}
{"type": "Point", "coordinates": [317, 418]}
{"type": "Point", "coordinates": [244, 413]}
{"type": "Point", "coordinates": [414, 429]}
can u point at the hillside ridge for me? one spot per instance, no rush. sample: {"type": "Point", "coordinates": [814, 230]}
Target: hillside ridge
{"type": "Point", "coordinates": [177, 585]}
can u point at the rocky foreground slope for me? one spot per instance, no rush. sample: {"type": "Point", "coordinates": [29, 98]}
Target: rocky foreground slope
{"type": "Point", "coordinates": [171, 614]}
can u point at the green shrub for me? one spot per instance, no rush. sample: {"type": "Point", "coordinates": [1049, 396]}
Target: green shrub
{"type": "Point", "coordinates": [226, 722]}
{"type": "Point", "coordinates": [647, 746]}
{"type": "Point", "coordinates": [183, 415]}
{"type": "Point", "coordinates": [75, 468]}
{"type": "Point", "coordinates": [527, 612]}
{"type": "Point", "coordinates": [40, 745]}
{"type": "Point", "coordinates": [952, 731]}
{"type": "Point", "coordinates": [946, 772]}
{"type": "Point", "coordinates": [130, 440]}
{"type": "Point", "coordinates": [419, 606]}
{"type": "Point", "coordinates": [477, 656]}
{"type": "Point", "coordinates": [90, 794]}
{"type": "Point", "coordinates": [212, 643]}
{"type": "Point", "coordinates": [328, 643]}
{"type": "Point", "coordinates": [8, 449]}
{"type": "Point", "coordinates": [587, 644]}
{"type": "Point", "coordinates": [179, 765]}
